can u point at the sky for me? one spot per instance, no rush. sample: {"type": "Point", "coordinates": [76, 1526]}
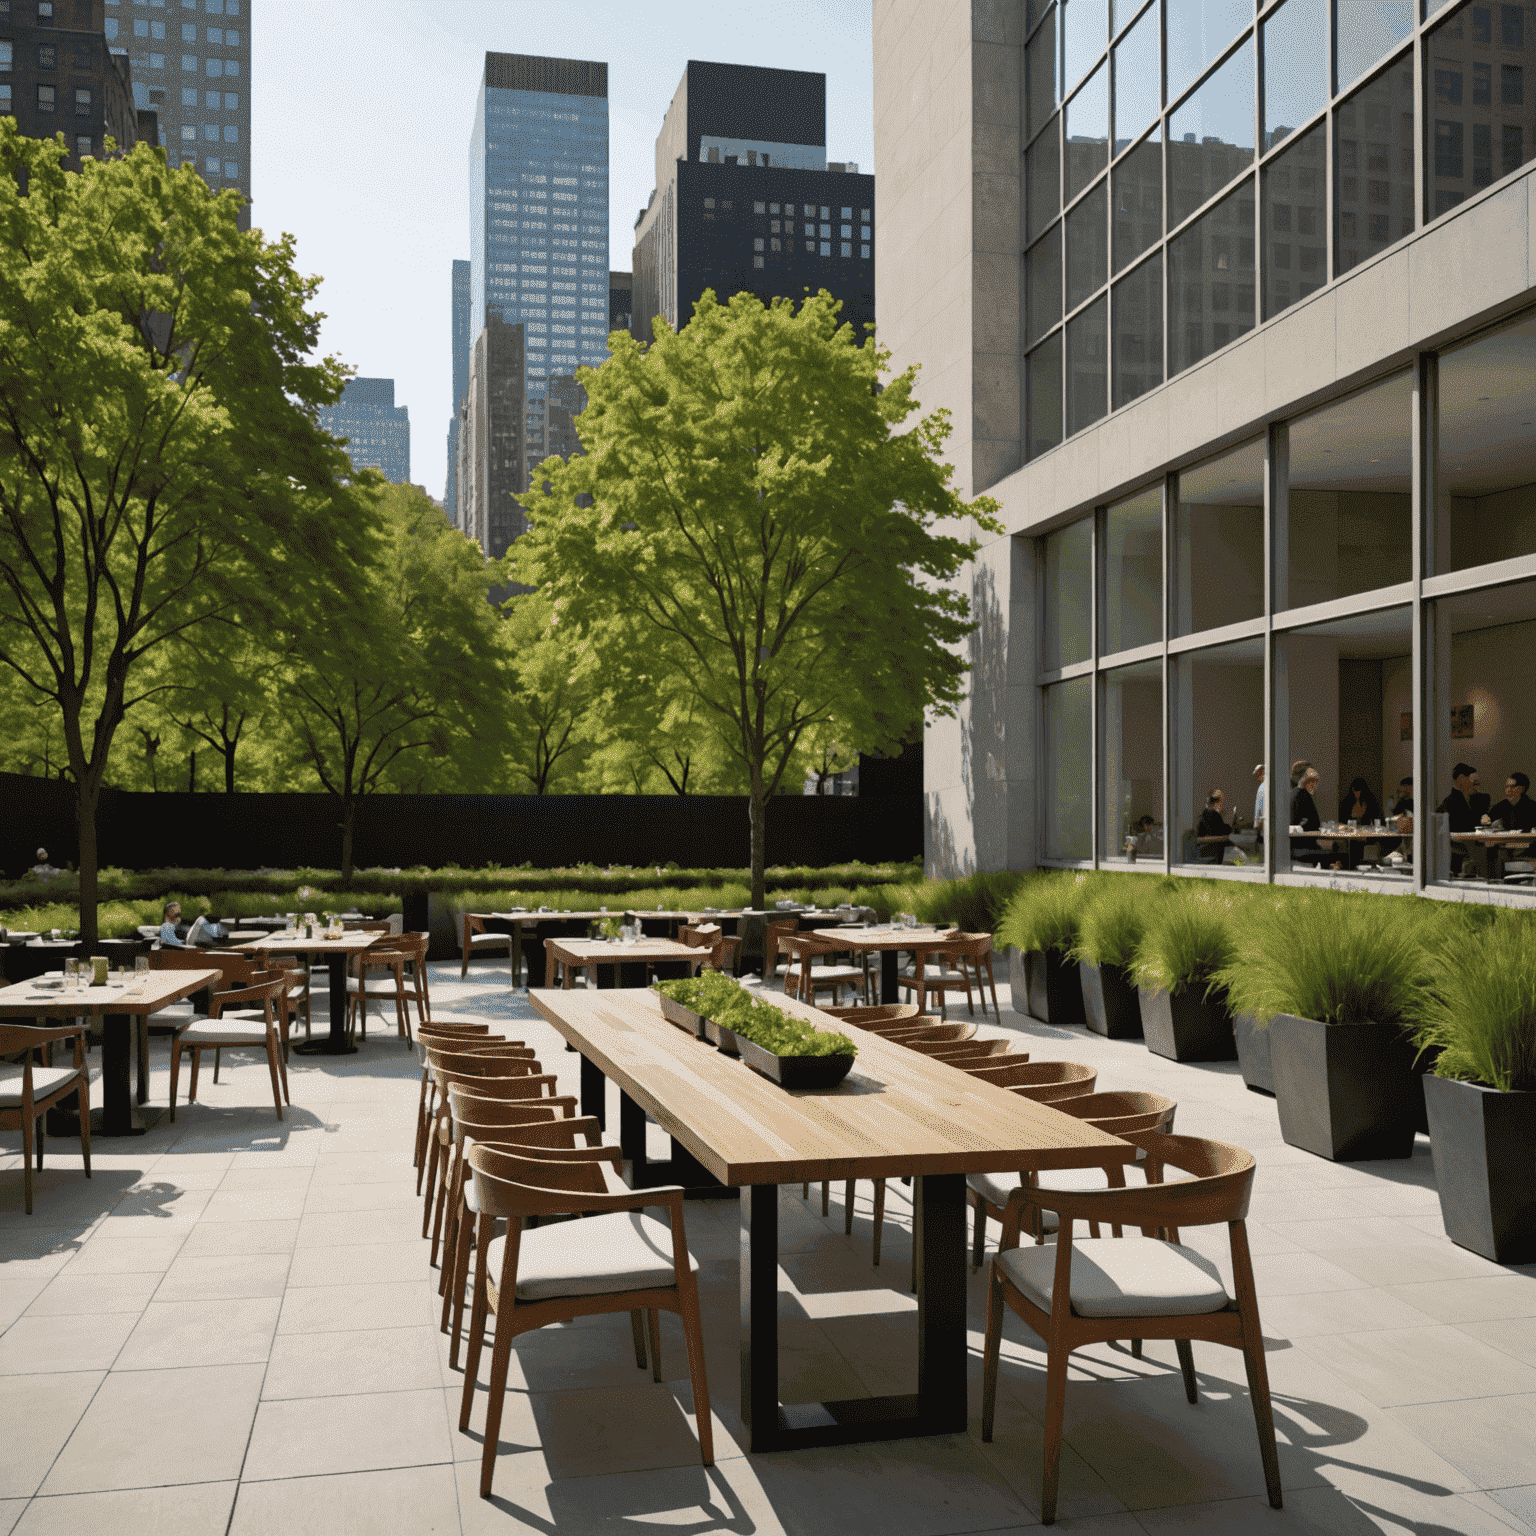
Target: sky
{"type": "Point", "coordinates": [361, 114]}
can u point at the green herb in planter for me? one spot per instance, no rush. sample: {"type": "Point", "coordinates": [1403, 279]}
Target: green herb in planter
{"type": "Point", "coordinates": [1114, 919]}
{"type": "Point", "coordinates": [1186, 943]}
{"type": "Point", "coordinates": [1479, 1007]}
{"type": "Point", "coordinates": [1043, 914]}
{"type": "Point", "coordinates": [717, 997]}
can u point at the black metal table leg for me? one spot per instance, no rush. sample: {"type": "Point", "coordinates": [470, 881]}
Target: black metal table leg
{"type": "Point", "coordinates": [117, 1115]}
{"type": "Point", "coordinates": [888, 976]}
{"type": "Point", "coordinates": [335, 1043]}
{"type": "Point", "coordinates": [594, 1092]}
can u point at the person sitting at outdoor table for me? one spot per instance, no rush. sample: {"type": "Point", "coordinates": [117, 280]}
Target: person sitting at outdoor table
{"type": "Point", "coordinates": [1304, 815]}
{"type": "Point", "coordinates": [170, 918]}
{"type": "Point", "coordinates": [1359, 808]}
{"type": "Point", "coordinates": [1212, 825]}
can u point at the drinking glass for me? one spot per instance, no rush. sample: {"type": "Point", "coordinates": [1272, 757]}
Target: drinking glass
{"type": "Point", "coordinates": [71, 975]}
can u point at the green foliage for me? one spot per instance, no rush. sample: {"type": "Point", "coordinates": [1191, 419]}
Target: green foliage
{"type": "Point", "coordinates": [974, 903]}
{"type": "Point", "coordinates": [1043, 913]}
{"type": "Point", "coordinates": [717, 997]}
{"type": "Point", "coordinates": [1479, 1007]}
{"type": "Point", "coordinates": [1114, 919]}
{"type": "Point", "coordinates": [1186, 942]}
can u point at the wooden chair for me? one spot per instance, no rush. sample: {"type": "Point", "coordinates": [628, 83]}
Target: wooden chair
{"type": "Point", "coordinates": [966, 1052]}
{"type": "Point", "coordinates": [416, 945]}
{"type": "Point", "coordinates": [725, 949]}
{"type": "Point", "coordinates": [804, 978]}
{"type": "Point", "coordinates": [955, 1032]}
{"type": "Point", "coordinates": [442, 1033]}
{"type": "Point", "coordinates": [1087, 1291]}
{"type": "Point", "coordinates": [972, 955]}
{"type": "Point", "coordinates": [474, 940]}
{"type": "Point", "coordinates": [867, 1017]}
{"type": "Point", "coordinates": [773, 934]}
{"type": "Point", "coordinates": [217, 1033]}
{"type": "Point", "coordinates": [1043, 1081]}
{"type": "Point", "coordinates": [392, 988]}
{"type": "Point", "coordinates": [27, 1092]}
{"type": "Point", "coordinates": [613, 1261]}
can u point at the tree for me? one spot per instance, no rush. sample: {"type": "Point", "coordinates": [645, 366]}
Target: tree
{"type": "Point", "coordinates": [550, 719]}
{"type": "Point", "coordinates": [405, 664]}
{"type": "Point", "coordinates": [757, 505]}
{"type": "Point", "coordinates": [159, 458]}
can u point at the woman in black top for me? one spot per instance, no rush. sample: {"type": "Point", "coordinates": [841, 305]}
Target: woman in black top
{"type": "Point", "coordinates": [1359, 806]}
{"type": "Point", "coordinates": [1304, 815]}
{"type": "Point", "coordinates": [1211, 825]}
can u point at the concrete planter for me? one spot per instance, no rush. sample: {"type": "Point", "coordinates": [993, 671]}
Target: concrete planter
{"type": "Point", "coordinates": [1053, 987]}
{"type": "Point", "coordinates": [1484, 1144]}
{"type": "Point", "coordinates": [1187, 1025]}
{"type": "Point", "coordinates": [1253, 1054]}
{"type": "Point", "coordinates": [1110, 1002]}
{"type": "Point", "coordinates": [1347, 1092]}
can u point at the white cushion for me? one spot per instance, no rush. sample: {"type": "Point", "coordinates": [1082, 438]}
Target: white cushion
{"type": "Point", "coordinates": [827, 974]}
{"type": "Point", "coordinates": [997, 1187]}
{"type": "Point", "coordinates": [45, 1080]}
{"type": "Point", "coordinates": [222, 1032]}
{"type": "Point", "coordinates": [490, 938]}
{"type": "Point", "coordinates": [1121, 1277]}
{"type": "Point", "coordinates": [592, 1256]}
{"type": "Point", "coordinates": [381, 985]}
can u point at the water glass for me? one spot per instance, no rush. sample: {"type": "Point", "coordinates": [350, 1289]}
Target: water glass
{"type": "Point", "coordinates": [71, 975]}
{"type": "Point", "coordinates": [141, 964]}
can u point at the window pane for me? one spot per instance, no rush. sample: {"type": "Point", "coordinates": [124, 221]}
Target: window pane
{"type": "Point", "coordinates": [1068, 578]}
{"type": "Point", "coordinates": [1042, 284]}
{"type": "Point", "coordinates": [1085, 30]}
{"type": "Point", "coordinates": [1349, 496]}
{"type": "Point", "coordinates": [1486, 475]}
{"type": "Point", "coordinates": [1088, 246]}
{"type": "Point", "coordinates": [1482, 119]}
{"type": "Point", "coordinates": [1132, 612]}
{"type": "Point", "coordinates": [1218, 542]}
{"type": "Point", "coordinates": [1138, 200]}
{"type": "Point", "coordinates": [1138, 79]}
{"type": "Point", "coordinates": [1295, 220]}
{"type": "Point", "coordinates": [1198, 30]}
{"type": "Point", "coordinates": [1367, 31]}
{"type": "Point", "coordinates": [1133, 761]}
{"type": "Point", "coordinates": [1043, 384]}
{"type": "Point", "coordinates": [1088, 132]}
{"type": "Point", "coordinates": [1042, 171]}
{"type": "Point", "coordinates": [1087, 359]}
{"type": "Point", "coordinates": [1068, 769]}
{"type": "Point", "coordinates": [1216, 723]}
{"type": "Point", "coordinates": [1211, 280]}
{"type": "Point", "coordinates": [1373, 180]}
{"type": "Point", "coordinates": [1044, 86]}
{"type": "Point", "coordinates": [1295, 67]}
{"type": "Point", "coordinates": [1138, 331]}
{"type": "Point", "coordinates": [1210, 137]}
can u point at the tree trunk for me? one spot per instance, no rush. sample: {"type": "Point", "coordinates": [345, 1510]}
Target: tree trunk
{"type": "Point", "coordinates": [229, 769]}
{"type": "Point", "coordinates": [759, 814]}
{"type": "Point", "coordinates": [192, 772]}
{"type": "Point", "coordinates": [348, 823]}
{"type": "Point", "coordinates": [86, 799]}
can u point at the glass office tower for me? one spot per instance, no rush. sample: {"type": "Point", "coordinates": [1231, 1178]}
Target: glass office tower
{"type": "Point", "coordinates": [378, 431]}
{"type": "Point", "coordinates": [463, 340]}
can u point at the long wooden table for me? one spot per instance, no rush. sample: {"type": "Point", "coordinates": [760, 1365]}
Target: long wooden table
{"type": "Point", "coordinates": [118, 1006]}
{"type": "Point", "coordinates": [896, 1113]}
{"type": "Point", "coordinates": [336, 952]}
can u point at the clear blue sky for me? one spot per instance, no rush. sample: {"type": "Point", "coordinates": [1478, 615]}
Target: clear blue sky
{"type": "Point", "coordinates": [360, 131]}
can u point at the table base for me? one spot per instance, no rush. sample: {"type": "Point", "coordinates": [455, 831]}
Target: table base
{"type": "Point", "coordinates": [322, 1045]}
{"type": "Point", "coordinates": [141, 1118]}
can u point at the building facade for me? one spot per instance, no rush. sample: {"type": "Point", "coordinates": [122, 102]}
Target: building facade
{"type": "Point", "coordinates": [378, 431]}
{"type": "Point", "coordinates": [58, 74]}
{"type": "Point", "coordinates": [492, 441]}
{"type": "Point", "coordinates": [745, 200]}
{"type": "Point", "coordinates": [463, 340]}
{"type": "Point", "coordinates": [192, 67]}
{"type": "Point", "coordinates": [620, 300]}
{"type": "Point", "coordinates": [1234, 314]}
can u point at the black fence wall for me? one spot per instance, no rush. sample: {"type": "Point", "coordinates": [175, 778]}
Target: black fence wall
{"type": "Point", "coordinates": [254, 831]}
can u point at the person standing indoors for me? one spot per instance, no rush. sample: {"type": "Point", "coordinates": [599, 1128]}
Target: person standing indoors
{"type": "Point", "coordinates": [1213, 825]}
{"type": "Point", "coordinates": [1258, 802]}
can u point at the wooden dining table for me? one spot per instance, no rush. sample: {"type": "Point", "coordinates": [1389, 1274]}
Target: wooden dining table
{"type": "Point", "coordinates": [336, 953]}
{"type": "Point", "coordinates": [888, 941]}
{"type": "Point", "coordinates": [589, 954]}
{"type": "Point", "coordinates": [897, 1113]}
{"type": "Point", "coordinates": [121, 1007]}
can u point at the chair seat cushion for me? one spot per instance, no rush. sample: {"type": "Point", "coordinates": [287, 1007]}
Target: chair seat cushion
{"type": "Point", "coordinates": [827, 974]}
{"type": "Point", "coordinates": [381, 984]}
{"type": "Point", "coordinates": [592, 1256]}
{"type": "Point", "coordinates": [997, 1187]}
{"type": "Point", "coordinates": [45, 1080]}
{"type": "Point", "coordinates": [490, 938]}
{"type": "Point", "coordinates": [221, 1032]}
{"type": "Point", "coordinates": [1121, 1277]}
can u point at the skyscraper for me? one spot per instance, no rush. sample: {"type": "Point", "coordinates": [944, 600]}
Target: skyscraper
{"type": "Point", "coordinates": [539, 253]}
{"type": "Point", "coordinates": [378, 430]}
{"type": "Point", "coordinates": [192, 65]}
{"type": "Point", "coordinates": [463, 340]}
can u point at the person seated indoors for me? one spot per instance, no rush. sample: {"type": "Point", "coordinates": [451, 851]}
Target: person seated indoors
{"type": "Point", "coordinates": [1465, 808]}
{"type": "Point", "coordinates": [1212, 825]}
{"type": "Point", "coordinates": [1359, 807]}
{"type": "Point", "coordinates": [1149, 837]}
{"type": "Point", "coordinates": [1401, 816]}
{"type": "Point", "coordinates": [1306, 850]}
{"type": "Point", "coordinates": [1516, 812]}
{"type": "Point", "coordinates": [170, 921]}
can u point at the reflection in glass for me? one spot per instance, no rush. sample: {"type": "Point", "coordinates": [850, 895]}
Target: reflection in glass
{"type": "Point", "coordinates": [1044, 94]}
{"type": "Point", "coordinates": [1088, 246]}
{"type": "Point", "coordinates": [1218, 542]}
{"type": "Point", "coordinates": [1042, 285]}
{"type": "Point", "coordinates": [1216, 721]}
{"type": "Point", "coordinates": [1295, 67]}
{"type": "Point", "coordinates": [1069, 770]}
{"type": "Point", "coordinates": [1138, 331]}
{"type": "Point", "coordinates": [1085, 30]}
{"type": "Point", "coordinates": [1480, 94]}
{"type": "Point", "coordinates": [1068, 585]}
{"type": "Point", "coordinates": [1138, 79]}
{"type": "Point", "coordinates": [1087, 366]}
{"type": "Point", "coordinates": [1132, 611]}
{"type": "Point", "coordinates": [1211, 281]}
{"type": "Point", "coordinates": [1042, 174]}
{"type": "Point", "coordinates": [1367, 31]}
{"type": "Point", "coordinates": [1373, 177]}
{"type": "Point", "coordinates": [1486, 473]}
{"type": "Point", "coordinates": [1035, 10]}
{"type": "Point", "coordinates": [1132, 762]}
{"type": "Point", "coordinates": [1199, 30]}
{"type": "Point", "coordinates": [1210, 136]}
{"type": "Point", "coordinates": [1138, 200]}
{"type": "Point", "coordinates": [1088, 132]}
{"type": "Point", "coordinates": [1349, 498]}
{"type": "Point", "coordinates": [1295, 217]}
{"type": "Point", "coordinates": [1042, 371]}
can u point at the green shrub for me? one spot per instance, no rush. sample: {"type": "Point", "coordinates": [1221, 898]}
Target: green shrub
{"type": "Point", "coordinates": [720, 999]}
{"type": "Point", "coordinates": [1114, 918]}
{"type": "Point", "coordinates": [1043, 913]}
{"type": "Point", "coordinates": [1187, 942]}
{"type": "Point", "coordinates": [1479, 1007]}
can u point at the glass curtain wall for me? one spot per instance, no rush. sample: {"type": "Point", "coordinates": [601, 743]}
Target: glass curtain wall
{"type": "Point", "coordinates": [1179, 158]}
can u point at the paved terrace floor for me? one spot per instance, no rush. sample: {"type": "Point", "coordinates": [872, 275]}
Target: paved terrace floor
{"type": "Point", "coordinates": [231, 1327]}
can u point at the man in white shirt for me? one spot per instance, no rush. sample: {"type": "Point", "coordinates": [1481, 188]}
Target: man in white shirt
{"type": "Point", "coordinates": [1258, 799]}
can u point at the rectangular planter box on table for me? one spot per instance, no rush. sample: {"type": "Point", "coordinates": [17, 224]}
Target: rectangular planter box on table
{"type": "Point", "coordinates": [795, 1071]}
{"type": "Point", "coordinates": [1484, 1144]}
{"type": "Point", "coordinates": [1186, 1025]}
{"type": "Point", "coordinates": [719, 1035]}
{"type": "Point", "coordinates": [1110, 1002]}
{"type": "Point", "coordinates": [1347, 1092]}
{"type": "Point", "coordinates": [685, 1018]}
{"type": "Point", "coordinates": [1253, 1053]}
{"type": "Point", "coordinates": [1053, 987]}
